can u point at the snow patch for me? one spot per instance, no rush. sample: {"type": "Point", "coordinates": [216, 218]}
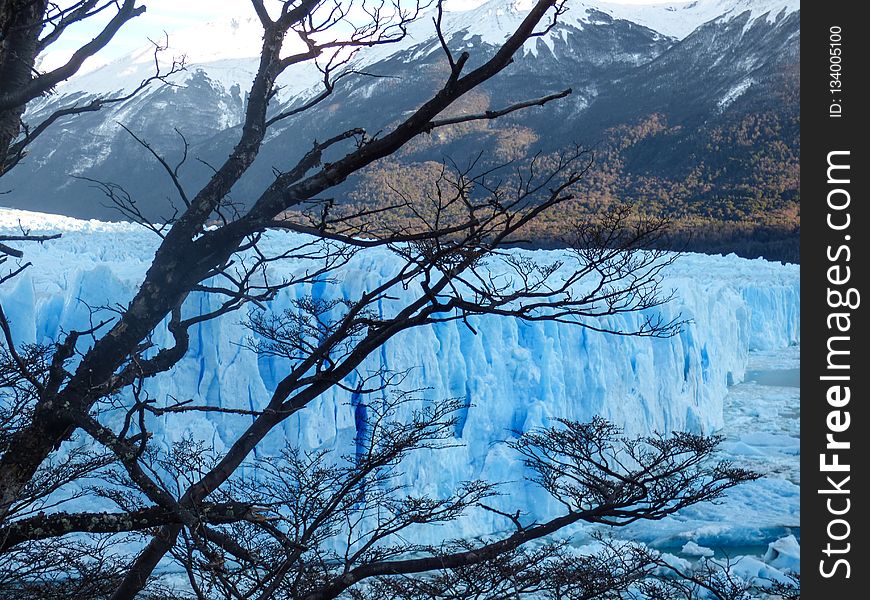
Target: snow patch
{"type": "Point", "coordinates": [735, 92]}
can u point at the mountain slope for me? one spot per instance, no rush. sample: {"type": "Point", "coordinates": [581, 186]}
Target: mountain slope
{"type": "Point", "coordinates": [692, 110]}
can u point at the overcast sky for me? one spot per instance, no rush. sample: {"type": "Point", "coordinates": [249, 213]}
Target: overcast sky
{"type": "Point", "coordinates": [174, 15]}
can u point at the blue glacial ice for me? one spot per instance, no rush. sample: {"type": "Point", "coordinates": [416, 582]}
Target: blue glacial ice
{"type": "Point", "coordinates": [512, 376]}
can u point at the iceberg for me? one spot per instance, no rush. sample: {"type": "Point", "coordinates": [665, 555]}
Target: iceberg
{"type": "Point", "coordinates": [512, 376]}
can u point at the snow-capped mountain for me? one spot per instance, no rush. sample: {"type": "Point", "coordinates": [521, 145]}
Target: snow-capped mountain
{"type": "Point", "coordinates": [227, 49]}
{"type": "Point", "coordinates": [691, 107]}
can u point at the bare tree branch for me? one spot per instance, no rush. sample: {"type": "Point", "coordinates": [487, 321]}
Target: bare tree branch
{"type": "Point", "coordinates": [43, 83]}
{"type": "Point", "coordinates": [46, 526]}
{"type": "Point", "coordinates": [494, 114]}
{"type": "Point", "coordinates": [311, 524]}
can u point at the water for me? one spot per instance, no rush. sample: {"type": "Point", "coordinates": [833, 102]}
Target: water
{"type": "Point", "coordinates": [775, 377]}
{"type": "Point", "coordinates": [762, 433]}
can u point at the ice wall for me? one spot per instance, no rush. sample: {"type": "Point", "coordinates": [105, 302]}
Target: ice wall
{"type": "Point", "coordinates": [511, 375]}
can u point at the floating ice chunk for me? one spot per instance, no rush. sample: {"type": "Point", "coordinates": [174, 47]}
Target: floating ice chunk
{"type": "Point", "coordinates": [785, 554]}
{"type": "Point", "coordinates": [691, 548]}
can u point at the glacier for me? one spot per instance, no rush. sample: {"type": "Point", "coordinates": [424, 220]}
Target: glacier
{"type": "Point", "coordinates": [512, 376]}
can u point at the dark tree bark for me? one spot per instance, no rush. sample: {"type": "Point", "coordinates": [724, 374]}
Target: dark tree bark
{"type": "Point", "coordinates": [59, 524]}
{"type": "Point", "coordinates": [20, 25]}
{"type": "Point", "coordinates": [27, 29]}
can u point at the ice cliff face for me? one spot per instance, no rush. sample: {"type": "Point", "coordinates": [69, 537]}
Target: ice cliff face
{"type": "Point", "coordinates": [512, 376]}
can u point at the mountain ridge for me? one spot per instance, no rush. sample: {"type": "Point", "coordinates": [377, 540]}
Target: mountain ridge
{"type": "Point", "coordinates": [214, 42]}
{"type": "Point", "coordinates": [704, 129]}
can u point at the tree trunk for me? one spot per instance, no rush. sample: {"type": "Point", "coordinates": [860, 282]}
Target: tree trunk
{"type": "Point", "coordinates": [20, 26]}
